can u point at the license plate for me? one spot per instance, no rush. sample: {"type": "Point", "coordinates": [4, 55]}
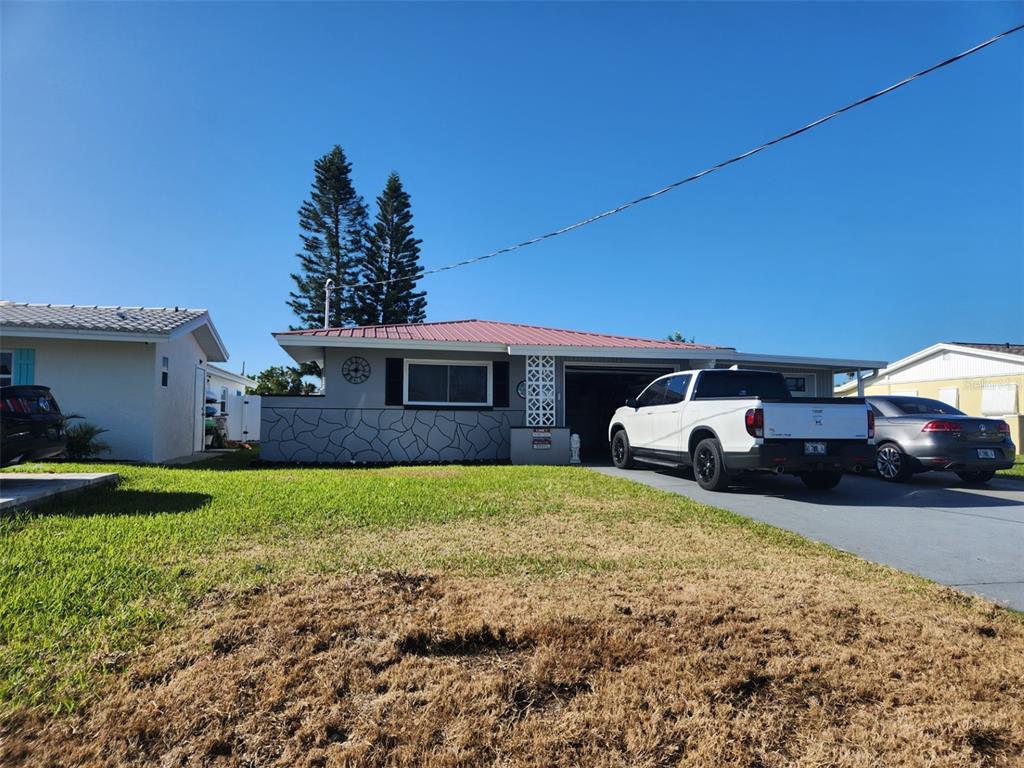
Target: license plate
{"type": "Point", "coordinates": [986, 453]}
{"type": "Point", "coordinates": [814, 449]}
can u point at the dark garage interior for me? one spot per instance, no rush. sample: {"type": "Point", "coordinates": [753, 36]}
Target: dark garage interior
{"type": "Point", "coordinates": [592, 393]}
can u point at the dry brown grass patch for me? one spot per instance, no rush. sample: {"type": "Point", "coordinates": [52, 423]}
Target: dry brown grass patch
{"type": "Point", "coordinates": [403, 669]}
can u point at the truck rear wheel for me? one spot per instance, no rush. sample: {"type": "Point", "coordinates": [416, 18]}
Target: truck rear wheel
{"type": "Point", "coordinates": [708, 467]}
{"type": "Point", "coordinates": [821, 480]}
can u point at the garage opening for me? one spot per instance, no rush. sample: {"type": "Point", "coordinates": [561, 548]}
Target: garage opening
{"type": "Point", "coordinates": [592, 393]}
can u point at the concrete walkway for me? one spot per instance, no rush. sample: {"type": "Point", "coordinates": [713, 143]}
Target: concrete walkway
{"type": "Point", "coordinates": [27, 489]}
{"type": "Point", "coordinates": [195, 458]}
{"type": "Point", "coordinates": [969, 537]}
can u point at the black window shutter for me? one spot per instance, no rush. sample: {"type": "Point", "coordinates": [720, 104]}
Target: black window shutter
{"type": "Point", "coordinates": [394, 385]}
{"type": "Point", "coordinates": [500, 369]}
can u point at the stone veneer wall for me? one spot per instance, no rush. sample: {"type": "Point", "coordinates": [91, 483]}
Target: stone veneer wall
{"type": "Point", "coordinates": [383, 435]}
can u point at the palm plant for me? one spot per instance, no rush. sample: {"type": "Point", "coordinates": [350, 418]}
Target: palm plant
{"type": "Point", "coordinates": [82, 442]}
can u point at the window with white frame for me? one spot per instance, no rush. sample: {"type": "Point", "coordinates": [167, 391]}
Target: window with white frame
{"type": "Point", "coordinates": [6, 368]}
{"type": "Point", "coordinates": [447, 382]}
{"type": "Point", "coordinates": [950, 396]}
{"type": "Point", "coordinates": [165, 363]}
{"type": "Point", "coordinates": [796, 384]}
{"type": "Point", "coordinates": [801, 384]}
{"type": "Point", "coordinates": [998, 399]}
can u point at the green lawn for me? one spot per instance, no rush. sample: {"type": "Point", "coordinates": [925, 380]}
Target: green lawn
{"type": "Point", "coordinates": [445, 615]}
{"type": "Point", "coordinates": [81, 583]}
{"type": "Point", "coordinates": [1017, 470]}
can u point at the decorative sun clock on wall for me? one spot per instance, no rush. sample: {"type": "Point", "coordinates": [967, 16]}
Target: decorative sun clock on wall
{"type": "Point", "coordinates": [356, 370]}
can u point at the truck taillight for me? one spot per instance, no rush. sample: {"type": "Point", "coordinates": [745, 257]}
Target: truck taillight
{"type": "Point", "coordinates": [1004, 428]}
{"type": "Point", "coordinates": [755, 422]}
{"type": "Point", "coordinates": [941, 426]}
{"type": "Point", "coordinates": [871, 424]}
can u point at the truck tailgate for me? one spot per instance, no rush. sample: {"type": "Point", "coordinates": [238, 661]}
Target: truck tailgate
{"type": "Point", "coordinates": [825, 421]}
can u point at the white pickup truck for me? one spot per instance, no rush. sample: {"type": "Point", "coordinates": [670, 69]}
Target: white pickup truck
{"type": "Point", "coordinates": [725, 422]}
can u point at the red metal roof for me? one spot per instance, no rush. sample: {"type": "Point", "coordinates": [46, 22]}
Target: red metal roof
{"type": "Point", "coordinates": [487, 331]}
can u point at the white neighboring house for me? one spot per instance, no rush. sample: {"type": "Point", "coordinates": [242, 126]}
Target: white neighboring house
{"type": "Point", "coordinates": [138, 372]}
{"type": "Point", "coordinates": [225, 384]}
{"type": "Point", "coordinates": [978, 378]}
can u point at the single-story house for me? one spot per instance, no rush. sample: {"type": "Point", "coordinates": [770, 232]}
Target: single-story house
{"type": "Point", "coordinates": [138, 372]}
{"type": "Point", "coordinates": [481, 390]}
{"type": "Point", "coordinates": [978, 378]}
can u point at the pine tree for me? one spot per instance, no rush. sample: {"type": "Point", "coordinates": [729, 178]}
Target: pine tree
{"type": "Point", "coordinates": [391, 253]}
{"type": "Point", "coordinates": [333, 223]}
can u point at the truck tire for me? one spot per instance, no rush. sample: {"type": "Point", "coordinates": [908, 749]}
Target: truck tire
{"type": "Point", "coordinates": [977, 476]}
{"type": "Point", "coordinates": [892, 464]}
{"type": "Point", "coordinates": [821, 480]}
{"type": "Point", "coordinates": [708, 467]}
{"type": "Point", "coordinates": [622, 457]}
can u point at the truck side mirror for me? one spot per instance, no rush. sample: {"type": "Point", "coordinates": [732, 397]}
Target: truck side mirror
{"type": "Point", "coordinates": [632, 403]}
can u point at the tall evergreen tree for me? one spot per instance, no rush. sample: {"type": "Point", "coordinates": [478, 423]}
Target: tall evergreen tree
{"type": "Point", "coordinates": [391, 253]}
{"type": "Point", "coordinates": [333, 223]}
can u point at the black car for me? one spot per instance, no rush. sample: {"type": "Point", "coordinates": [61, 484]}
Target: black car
{"type": "Point", "coordinates": [31, 424]}
{"type": "Point", "coordinates": [917, 434]}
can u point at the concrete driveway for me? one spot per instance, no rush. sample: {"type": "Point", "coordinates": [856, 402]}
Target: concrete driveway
{"type": "Point", "coordinates": [971, 538]}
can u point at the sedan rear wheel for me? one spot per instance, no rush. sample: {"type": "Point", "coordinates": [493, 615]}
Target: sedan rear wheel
{"type": "Point", "coordinates": [892, 464]}
{"type": "Point", "coordinates": [979, 476]}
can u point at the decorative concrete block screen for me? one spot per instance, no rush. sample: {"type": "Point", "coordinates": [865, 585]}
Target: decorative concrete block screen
{"type": "Point", "coordinates": [383, 435]}
{"type": "Point", "coordinates": [540, 391]}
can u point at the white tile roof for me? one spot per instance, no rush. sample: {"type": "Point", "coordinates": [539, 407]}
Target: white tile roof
{"type": "Point", "coordinates": [84, 317]}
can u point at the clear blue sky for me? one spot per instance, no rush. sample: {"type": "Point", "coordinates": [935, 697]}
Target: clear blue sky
{"type": "Point", "coordinates": [157, 154]}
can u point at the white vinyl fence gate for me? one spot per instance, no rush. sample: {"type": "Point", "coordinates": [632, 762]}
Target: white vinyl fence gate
{"type": "Point", "coordinates": [243, 418]}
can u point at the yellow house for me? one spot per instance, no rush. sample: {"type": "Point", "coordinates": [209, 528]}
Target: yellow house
{"type": "Point", "coordinates": [979, 379]}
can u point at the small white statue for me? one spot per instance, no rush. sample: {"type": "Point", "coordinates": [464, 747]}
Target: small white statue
{"type": "Point", "coordinates": [574, 449]}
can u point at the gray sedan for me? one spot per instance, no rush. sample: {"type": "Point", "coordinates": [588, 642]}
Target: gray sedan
{"type": "Point", "coordinates": [915, 434]}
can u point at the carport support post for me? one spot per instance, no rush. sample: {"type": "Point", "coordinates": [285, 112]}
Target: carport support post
{"type": "Point", "coordinates": [860, 385]}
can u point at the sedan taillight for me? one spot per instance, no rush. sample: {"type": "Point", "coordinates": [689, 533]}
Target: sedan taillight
{"type": "Point", "coordinates": [755, 422]}
{"type": "Point", "coordinates": [1004, 428]}
{"type": "Point", "coordinates": [941, 426]}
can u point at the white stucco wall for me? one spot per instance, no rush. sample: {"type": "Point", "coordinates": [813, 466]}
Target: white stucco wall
{"type": "Point", "coordinates": [109, 383]}
{"type": "Point", "coordinates": [339, 393]}
{"type": "Point", "coordinates": [174, 407]}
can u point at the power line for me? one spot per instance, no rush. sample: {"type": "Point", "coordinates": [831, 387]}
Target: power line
{"type": "Point", "coordinates": [705, 172]}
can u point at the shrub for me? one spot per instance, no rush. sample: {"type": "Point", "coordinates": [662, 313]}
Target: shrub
{"type": "Point", "coordinates": [82, 439]}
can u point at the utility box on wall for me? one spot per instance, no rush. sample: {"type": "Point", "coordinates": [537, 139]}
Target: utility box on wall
{"type": "Point", "coordinates": [243, 418]}
{"type": "Point", "coordinates": [540, 445]}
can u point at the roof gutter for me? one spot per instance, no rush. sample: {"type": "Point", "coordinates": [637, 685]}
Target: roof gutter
{"type": "Point", "coordinates": [21, 332]}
